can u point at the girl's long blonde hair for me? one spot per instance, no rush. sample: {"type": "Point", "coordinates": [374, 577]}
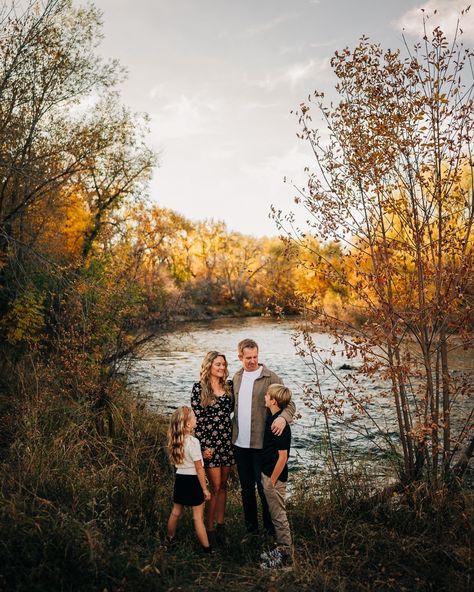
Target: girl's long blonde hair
{"type": "Point", "coordinates": [207, 394]}
{"type": "Point", "coordinates": [177, 433]}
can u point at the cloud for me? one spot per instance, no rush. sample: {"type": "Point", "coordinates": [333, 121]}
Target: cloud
{"type": "Point", "coordinates": [156, 91]}
{"type": "Point", "coordinates": [258, 106]}
{"type": "Point", "coordinates": [447, 14]}
{"type": "Point", "coordinates": [331, 42]}
{"type": "Point", "coordinates": [293, 74]}
{"type": "Point", "coordinates": [269, 25]}
{"type": "Point", "coordinates": [298, 72]}
{"type": "Point", "coordinates": [296, 48]}
{"type": "Point", "coordinates": [304, 47]}
{"type": "Point", "coordinates": [274, 179]}
{"type": "Point", "coordinates": [273, 169]}
{"type": "Point", "coordinates": [222, 154]}
{"type": "Point", "coordinates": [186, 116]}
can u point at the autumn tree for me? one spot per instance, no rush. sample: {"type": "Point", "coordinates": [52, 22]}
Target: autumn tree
{"type": "Point", "coordinates": [159, 241]}
{"type": "Point", "coordinates": [394, 185]}
{"type": "Point", "coordinates": [71, 157]}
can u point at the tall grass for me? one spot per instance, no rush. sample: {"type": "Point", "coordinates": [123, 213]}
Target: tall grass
{"type": "Point", "coordinates": [85, 496]}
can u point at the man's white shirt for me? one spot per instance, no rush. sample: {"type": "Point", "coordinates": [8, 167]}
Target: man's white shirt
{"type": "Point", "coordinates": [245, 407]}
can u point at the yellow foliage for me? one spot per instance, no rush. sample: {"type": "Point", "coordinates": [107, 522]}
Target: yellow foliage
{"type": "Point", "coordinates": [63, 227]}
{"type": "Point", "coordinates": [25, 318]}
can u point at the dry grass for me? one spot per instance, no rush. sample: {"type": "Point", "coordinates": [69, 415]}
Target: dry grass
{"type": "Point", "coordinates": [83, 507]}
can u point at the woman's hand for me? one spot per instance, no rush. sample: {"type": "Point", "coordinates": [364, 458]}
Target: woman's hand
{"type": "Point", "coordinates": [207, 453]}
{"type": "Point", "coordinates": [207, 495]}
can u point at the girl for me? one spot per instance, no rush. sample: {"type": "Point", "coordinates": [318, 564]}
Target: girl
{"type": "Point", "coordinates": [212, 401]}
{"type": "Point", "coordinates": [190, 487]}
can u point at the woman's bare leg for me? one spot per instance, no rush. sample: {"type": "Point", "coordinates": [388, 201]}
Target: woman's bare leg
{"type": "Point", "coordinates": [214, 478]}
{"type": "Point", "coordinates": [222, 495]}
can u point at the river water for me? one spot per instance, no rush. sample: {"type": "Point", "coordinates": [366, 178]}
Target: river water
{"type": "Point", "coordinates": [167, 370]}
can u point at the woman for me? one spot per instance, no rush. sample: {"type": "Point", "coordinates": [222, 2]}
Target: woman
{"type": "Point", "coordinates": [212, 401]}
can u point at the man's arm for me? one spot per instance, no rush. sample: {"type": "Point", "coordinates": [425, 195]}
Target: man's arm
{"type": "Point", "coordinates": [285, 417]}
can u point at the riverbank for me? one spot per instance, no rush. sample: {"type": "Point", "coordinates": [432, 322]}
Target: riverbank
{"type": "Point", "coordinates": [212, 312]}
{"type": "Point", "coordinates": [85, 496]}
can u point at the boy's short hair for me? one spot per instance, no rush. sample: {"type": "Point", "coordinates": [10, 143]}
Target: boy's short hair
{"type": "Point", "coordinates": [250, 343]}
{"type": "Point", "coordinates": [281, 394]}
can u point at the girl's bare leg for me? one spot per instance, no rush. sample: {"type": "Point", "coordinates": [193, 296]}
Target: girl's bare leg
{"type": "Point", "coordinates": [175, 515]}
{"type": "Point", "coordinates": [222, 495]}
{"type": "Point", "coordinates": [214, 478]}
{"type": "Point", "coordinates": [198, 517]}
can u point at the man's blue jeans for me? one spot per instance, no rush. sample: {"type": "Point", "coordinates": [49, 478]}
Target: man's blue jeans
{"type": "Point", "coordinates": [248, 467]}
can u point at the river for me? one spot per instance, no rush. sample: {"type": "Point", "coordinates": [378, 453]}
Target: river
{"type": "Point", "coordinates": [166, 372]}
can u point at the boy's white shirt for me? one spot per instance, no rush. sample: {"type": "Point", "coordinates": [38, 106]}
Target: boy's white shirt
{"type": "Point", "coordinates": [192, 452]}
{"type": "Point", "coordinates": [245, 406]}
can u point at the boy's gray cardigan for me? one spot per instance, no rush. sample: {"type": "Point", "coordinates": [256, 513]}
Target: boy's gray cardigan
{"type": "Point", "coordinates": [259, 411]}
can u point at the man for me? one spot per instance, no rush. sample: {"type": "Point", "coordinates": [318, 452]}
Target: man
{"type": "Point", "coordinates": [251, 383]}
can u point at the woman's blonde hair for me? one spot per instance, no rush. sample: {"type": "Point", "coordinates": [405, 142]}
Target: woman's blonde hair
{"type": "Point", "coordinates": [177, 433]}
{"type": "Point", "coordinates": [207, 394]}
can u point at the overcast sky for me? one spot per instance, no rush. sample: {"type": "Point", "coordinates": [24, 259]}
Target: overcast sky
{"type": "Point", "coordinates": [219, 79]}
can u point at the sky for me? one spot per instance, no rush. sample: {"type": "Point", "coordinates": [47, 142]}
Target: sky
{"type": "Point", "coordinates": [219, 79]}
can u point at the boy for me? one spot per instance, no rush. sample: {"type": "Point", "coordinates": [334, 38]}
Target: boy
{"type": "Point", "coordinates": [274, 458]}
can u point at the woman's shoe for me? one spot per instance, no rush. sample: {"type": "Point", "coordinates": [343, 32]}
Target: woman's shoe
{"type": "Point", "coordinates": [212, 537]}
{"type": "Point", "coordinates": [221, 537]}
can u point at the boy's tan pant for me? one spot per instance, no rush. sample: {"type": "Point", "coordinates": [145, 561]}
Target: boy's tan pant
{"type": "Point", "coordinates": [275, 495]}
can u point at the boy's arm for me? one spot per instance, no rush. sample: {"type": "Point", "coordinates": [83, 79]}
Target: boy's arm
{"type": "Point", "coordinates": [280, 465]}
{"type": "Point", "coordinates": [202, 479]}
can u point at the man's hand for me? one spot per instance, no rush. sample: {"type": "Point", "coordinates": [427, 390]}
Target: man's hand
{"type": "Point", "coordinates": [278, 426]}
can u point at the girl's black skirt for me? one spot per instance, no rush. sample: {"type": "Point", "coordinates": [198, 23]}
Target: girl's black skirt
{"type": "Point", "coordinates": [187, 490]}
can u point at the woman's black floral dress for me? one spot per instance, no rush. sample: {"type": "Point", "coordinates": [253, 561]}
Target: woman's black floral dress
{"type": "Point", "coordinates": [214, 428]}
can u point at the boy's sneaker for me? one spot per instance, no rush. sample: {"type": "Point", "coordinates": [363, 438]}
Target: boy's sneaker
{"type": "Point", "coordinates": [274, 553]}
{"type": "Point", "coordinates": [276, 559]}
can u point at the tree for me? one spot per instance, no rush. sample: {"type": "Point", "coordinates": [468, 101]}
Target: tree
{"type": "Point", "coordinates": [71, 157]}
{"type": "Point", "coordinates": [394, 185]}
{"type": "Point", "coordinates": [48, 67]}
